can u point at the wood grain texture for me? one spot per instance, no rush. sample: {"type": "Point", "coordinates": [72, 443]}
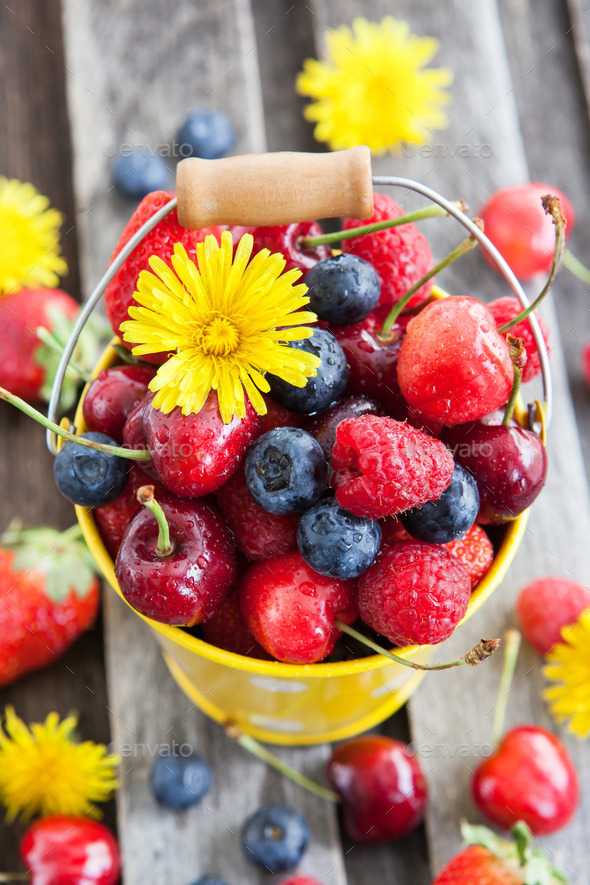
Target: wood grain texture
{"type": "Point", "coordinates": [34, 146]}
{"type": "Point", "coordinates": [451, 712]}
{"type": "Point", "coordinates": [149, 92]}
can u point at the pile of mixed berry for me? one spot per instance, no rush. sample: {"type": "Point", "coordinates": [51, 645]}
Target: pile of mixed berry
{"type": "Point", "coordinates": [359, 496]}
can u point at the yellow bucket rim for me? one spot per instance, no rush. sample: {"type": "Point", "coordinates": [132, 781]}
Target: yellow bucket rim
{"type": "Point", "coordinates": [514, 533]}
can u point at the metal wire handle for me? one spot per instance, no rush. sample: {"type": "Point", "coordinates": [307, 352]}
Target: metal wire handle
{"type": "Point", "coordinates": [379, 180]}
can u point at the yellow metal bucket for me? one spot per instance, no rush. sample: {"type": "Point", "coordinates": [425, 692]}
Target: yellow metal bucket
{"type": "Point", "coordinates": [288, 703]}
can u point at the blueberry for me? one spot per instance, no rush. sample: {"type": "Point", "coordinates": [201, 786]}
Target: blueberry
{"type": "Point", "coordinates": [450, 516]}
{"type": "Point", "coordinates": [328, 384]}
{"type": "Point", "coordinates": [275, 837]}
{"type": "Point", "coordinates": [137, 174]}
{"type": "Point", "coordinates": [180, 781]}
{"type": "Point", "coordinates": [334, 542]}
{"type": "Point", "coordinates": [209, 880]}
{"type": "Point", "coordinates": [343, 289]}
{"type": "Point", "coordinates": [286, 470]}
{"type": "Point", "coordinates": [88, 477]}
{"type": "Point", "coordinates": [206, 134]}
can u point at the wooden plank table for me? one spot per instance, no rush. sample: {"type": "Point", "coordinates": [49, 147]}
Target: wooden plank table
{"type": "Point", "coordinates": [242, 56]}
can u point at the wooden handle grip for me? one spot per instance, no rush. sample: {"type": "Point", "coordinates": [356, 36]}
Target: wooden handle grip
{"type": "Point", "coordinates": [265, 189]}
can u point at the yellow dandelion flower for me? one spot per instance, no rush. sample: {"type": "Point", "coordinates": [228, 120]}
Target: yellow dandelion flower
{"type": "Point", "coordinates": [44, 771]}
{"type": "Point", "coordinates": [373, 87]}
{"type": "Point", "coordinates": [568, 665]}
{"type": "Point", "coordinates": [225, 324]}
{"type": "Point", "coordinates": [29, 238]}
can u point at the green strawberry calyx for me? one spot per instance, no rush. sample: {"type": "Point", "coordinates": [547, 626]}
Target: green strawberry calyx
{"type": "Point", "coordinates": [534, 867]}
{"type": "Point", "coordinates": [62, 558]}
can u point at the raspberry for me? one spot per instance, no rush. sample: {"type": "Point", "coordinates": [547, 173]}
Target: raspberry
{"type": "Point", "coordinates": [415, 593]}
{"type": "Point", "coordinates": [400, 255]}
{"type": "Point", "coordinates": [227, 630]}
{"type": "Point", "coordinates": [547, 605]}
{"type": "Point", "coordinates": [258, 534]}
{"type": "Point", "coordinates": [160, 241]}
{"type": "Point", "coordinates": [383, 467]}
{"type": "Point", "coordinates": [475, 552]}
{"type": "Point", "coordinates": [505, 309]}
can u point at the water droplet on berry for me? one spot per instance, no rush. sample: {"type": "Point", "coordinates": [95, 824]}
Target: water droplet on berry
{"type": "Point", "coordinates": [202, 561]}
{"type": "Point", "coordinates": [307, 589]}
{"type": "Point", "coordinates": [162, 435]}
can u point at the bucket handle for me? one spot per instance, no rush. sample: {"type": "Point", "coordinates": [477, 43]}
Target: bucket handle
{"type": "Point", "coordinates": [265, 189]}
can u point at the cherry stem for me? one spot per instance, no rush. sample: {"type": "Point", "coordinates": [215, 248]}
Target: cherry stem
{"type": "Point", "coordinates": [552, 207]}
{"type": "Point", "coordinates": [484, 649]}
{"type": "Point", "coordinates": [145, 496]}
{"type": "Point", "coordinates": [132, 454]}
{"type": "Point", "coordinates": [511, 648]}
{"type": "Point", "coordinates": [54, 344]}
{"type": "Point", "coordinates": [385, 333]}
{"type": "Point", "coordinates": [338, 236]}
{"type": "Point", "coordinates": [575, 266]}
{"type": "Point", "coordinates": [253, 746]}
{"type": "Point", "coordinates": [518, 357]}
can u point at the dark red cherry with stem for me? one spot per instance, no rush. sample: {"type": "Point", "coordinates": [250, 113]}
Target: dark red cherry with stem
{"type": "Point", "coordinates": [177, 561]}
{"type": "Point", "coordinates": [323, 426]}
{"type": "Point", "coordinates": [508, 462]}
{"type": "Point", "coordinates": [518, 226]}
{"type": "Point", "coordinates": [381, 785]}
{"type": "Point", "coordinates": [286, 239]}
{"type": "Point", "coordinates": [112, 395]}
{"type": "Point", "coordinates": [373, 363]}
{"type": "Point", "coordinates": [196, 454]}
{"type": "Point", "coordinates": [69, 851]}
{"type": "Point", "coordinates": [291, 610]}
{"type": "Point", "coordinates": [529, 776]}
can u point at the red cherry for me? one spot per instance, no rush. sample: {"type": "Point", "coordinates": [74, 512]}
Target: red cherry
{"type": "Point", "coordinates": [509, 465]}
{"type": "Point", "coordinates": [518, 226]}
{"type": "Point", "coordinates": [189, 584]}
{"type": "Point", "coordinates": [284, 238]}
{"type": "Point", "coordinates": [70, 851]}
{"type": "Point", "coordinates": [290, 609]}
{"type": "Point", "coordinates": [277, 416]}
{"type": "Point", "coordinates": [453, 365]}
{"type": "Point", "coordinates": [531, 778]}
{"type": "Point", "coordinates": [323, 426]}
{"type": "Point", "coordinates": [113, 395]}
{"type": "Point", "coordinates": [381, 785]}
{"type": "Point", "coordinates": [113, 518]}
{"type": "Point", "coordinates": [373, 365]}
{"type": "Point", "coordinates": [196, 454]}
{"type": "Point", "coordinates": [545, 606]}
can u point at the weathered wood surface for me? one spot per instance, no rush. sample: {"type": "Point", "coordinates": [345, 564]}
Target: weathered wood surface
{"type": "Point", "coordinates": [34, 146]}
{"type": "Point", "coordinates": [217, 46]}
{"type": "Point", "coordinates": [450, 716]}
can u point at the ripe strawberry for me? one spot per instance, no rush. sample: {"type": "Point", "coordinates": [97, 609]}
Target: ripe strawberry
{"type": "Point", "coordinates": [400, 255]}
{"type": "Point", "coordinates": [383, 467]}
{"type": "Point", "coordinates": [492, 860]}
{"type": "Point", "coordinates": [113, 518]}
{"type": "Point", "coordinates": [414, 593]}
{"type": "Point", "coordinates": [258, 533]}
{"type": "Point", "coordinates": [227, 630]}
{"type": "Point", "coordinates": [475, 552]}
{"type": "Point", "coordinates": [49, 595]}
{"type": "Point", "coordinates": [505, 309]}
{"type": "Point", "coordinates": [291, 609]}
{"type": "Point", "coordinates": [28, 366]}
{"type": "Point", "coordinates": [160, 241]}
{"type": "Point", "coordinates": [547, 605]}
{"type": "Point", "coordinates": [453, 365]}
{"type": "Point", "coordinates": [586, 363]}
